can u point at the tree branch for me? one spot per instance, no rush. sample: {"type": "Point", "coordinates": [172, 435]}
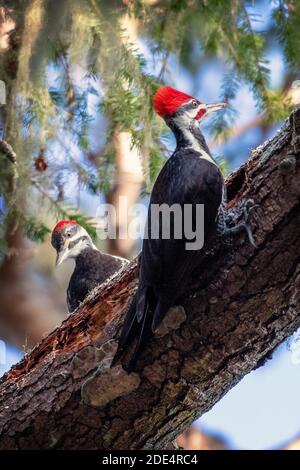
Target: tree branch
{"type": "Point", "coordinates": [238, 309]}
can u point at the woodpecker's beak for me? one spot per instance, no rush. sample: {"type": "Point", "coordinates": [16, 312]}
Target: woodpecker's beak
{"type": "Point", "coordinates": [62, 255]}
{"type": "Point", "coordinates": [211, 108]}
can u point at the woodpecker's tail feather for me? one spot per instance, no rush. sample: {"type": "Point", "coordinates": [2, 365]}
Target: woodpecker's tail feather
{"type": "Point", "coordinates": [137, 323]}
{"type": "Point", "coordinates": [160, 311]}
{"type": "Point", "coordinates": [145, 334]}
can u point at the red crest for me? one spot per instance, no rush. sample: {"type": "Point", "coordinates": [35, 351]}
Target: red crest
{"type": "Point", "coordinates": [62, 223]}
{"type": "Point", "coordinates": [167, 100]}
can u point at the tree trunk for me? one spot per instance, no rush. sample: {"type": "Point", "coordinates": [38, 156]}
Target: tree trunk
{"type": "Point", "coordinates": [242, 305]}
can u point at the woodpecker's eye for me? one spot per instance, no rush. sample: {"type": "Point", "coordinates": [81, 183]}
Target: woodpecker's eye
{"type": "Point", "coordinates": [194, 104]}
{"type": "Point", "coordinates": [68, 234]}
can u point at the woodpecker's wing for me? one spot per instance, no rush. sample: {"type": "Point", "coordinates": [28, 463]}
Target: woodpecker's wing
{"type": "Point", "coordinates": [77, 291]}
{"type": "Point", "coordinates": [70, 302]}
{"type": "Point", "coordinates": [186, 179]}
{"type": "Point", "coordinates": [166, 264]}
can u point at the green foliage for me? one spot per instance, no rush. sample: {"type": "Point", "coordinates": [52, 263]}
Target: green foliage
{"type": "Point", "coordinates": [222, 122]}
{"type": "Point", "coordinates": [155, 164]}
{"type": "Point", "coordinates": [106, 171]}
{"type": "Point", "coordinates": [32, 228]}
{"type": "Point", "coordinates": [63, 210]}
{"type": "Point", "coordinates": [223, 165]}
{"type": "Point", "coordinates": [286, 18]}
{"type": "Point", "coordinates": [49, 107]}
{"type": "Point", "coordinates": [88, 223]}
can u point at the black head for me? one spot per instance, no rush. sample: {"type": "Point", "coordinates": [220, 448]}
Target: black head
{"type": "Point", "coordinates": [69, 239]}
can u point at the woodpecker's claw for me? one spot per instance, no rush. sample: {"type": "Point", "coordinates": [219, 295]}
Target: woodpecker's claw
{"type": "Point", "coordinates": [249, 206]}
{"type": "Point", "coordinates": [248, 210]}
{"type": "Point", "coordinates": [243, 226]}
{"type": "Point", "coordinates": [247, 213]}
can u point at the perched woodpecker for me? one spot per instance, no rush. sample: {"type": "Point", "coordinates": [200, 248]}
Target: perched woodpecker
{"type": "Point", "coordinates": [190, 176]}
{"type": "Point", "coordinates": [92, 267]}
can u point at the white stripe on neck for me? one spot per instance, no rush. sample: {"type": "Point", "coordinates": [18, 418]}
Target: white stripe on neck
{"type": "Point", "coordinates": [82, 244]}
{"type": "Point", "coordinates": [195, 145]}
{"type": "Point", "coordinates": [184, 122]}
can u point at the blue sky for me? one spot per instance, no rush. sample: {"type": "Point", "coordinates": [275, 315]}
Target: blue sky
{"type": "Point", "coordinates": [262, 410]}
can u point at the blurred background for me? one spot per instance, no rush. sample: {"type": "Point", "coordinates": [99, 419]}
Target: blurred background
{"type": "Point", "coordinates": [79, 78]}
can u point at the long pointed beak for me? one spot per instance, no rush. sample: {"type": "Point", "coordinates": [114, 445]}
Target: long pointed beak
{"type": "Point", "coordinates": [211, 108]}
{"type": "Point", "coordinates": [62, 256]}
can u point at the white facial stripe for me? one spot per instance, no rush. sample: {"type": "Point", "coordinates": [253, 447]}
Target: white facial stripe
{"type": "Point", "coordinates": [81, 245]}
{"type": "Point", "coordinates": [184, 122]}
{"type": "Point", "coordinates": [79, 233]}
{"type": "Point", "coordinates": [76, 249]}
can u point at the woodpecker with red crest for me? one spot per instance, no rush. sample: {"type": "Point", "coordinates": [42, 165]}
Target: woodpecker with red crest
{"type": "Point", "coordinates": [190, 176]}
{"type": "Point", "coordinates": [92, 267]}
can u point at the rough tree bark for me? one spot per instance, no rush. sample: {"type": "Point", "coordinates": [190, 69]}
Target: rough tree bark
{"type": "Point", "coordinates": [63, 394]}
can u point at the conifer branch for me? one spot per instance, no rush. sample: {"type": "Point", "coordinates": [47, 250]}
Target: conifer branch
{"type": "Point", "coordinates": [8, 151]}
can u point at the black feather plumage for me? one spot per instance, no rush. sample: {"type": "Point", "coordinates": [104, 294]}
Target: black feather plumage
{"type": "Point", "coordinates": [188, 177]}
{"type": "Point", "coordinates": [92, 268]}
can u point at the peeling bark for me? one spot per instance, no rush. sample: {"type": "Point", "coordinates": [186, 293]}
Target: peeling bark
{"type": "Point", "coordinates": [238, 309]}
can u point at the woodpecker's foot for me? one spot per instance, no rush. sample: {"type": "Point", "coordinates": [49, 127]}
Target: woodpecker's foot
{"type": "Point", "coordinates": [232, 227]}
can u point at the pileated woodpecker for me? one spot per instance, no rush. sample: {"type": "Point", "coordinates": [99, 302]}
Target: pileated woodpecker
{"type": "Point", "coordinates": [190, 176]}
{"type": "Point", "coordinates": [92, 267]}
